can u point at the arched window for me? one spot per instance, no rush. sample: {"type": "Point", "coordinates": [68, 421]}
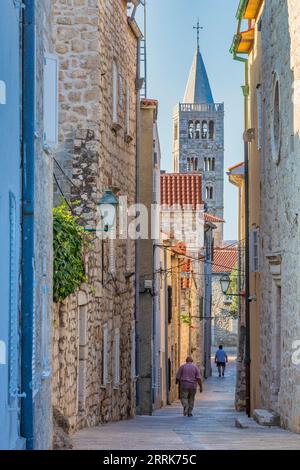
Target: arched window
{"type": "Point", "coordinates": [204, 130]}
{"type": "Point", "coordinates": [213, 164]}
{"type": "Point", "coordinates": [176, 131]}
{"type": "Point", "coordinates": [196, 164]}
{"type": "Point", "coordinates": [191, 130]}
{"type": "Point", "coordinates": [198, 129]}
{"type": "Point", "coordinates": [188, 166]}
{"type": "Point", "coordinates": [209, 192]}
{"type": "Point", "coordinates": [205, 164]}
{"type": "Point", "coordinates": [211, 130]}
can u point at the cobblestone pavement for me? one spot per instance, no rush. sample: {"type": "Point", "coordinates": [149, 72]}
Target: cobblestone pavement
{"type": "Point", "coordinates": [211, 428]}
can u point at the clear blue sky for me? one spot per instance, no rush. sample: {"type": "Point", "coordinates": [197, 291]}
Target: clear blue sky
{"type": "Point", "coordinates": [171, 43]}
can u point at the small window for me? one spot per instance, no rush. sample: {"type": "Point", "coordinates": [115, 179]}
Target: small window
{"type": "Point", "coordinates": [170, 306]}
{"type": "Point", "coordinates": [205, 164]}
{"type": "Point", "coordinates": [115, 93]}
{"type": "Point", "coordinates": [213, 164]}
{"type": "Point", "coordinates": [188, 166]}
{"type": "Point", "coordinates": [211, 130]}
{"type": "Point", "coordinates": [209, 192]}
{"type": "Point", "coordinates": [198, 129]}
{"type": "Point", "coordinates": [176, 131]}
{"type": "Point", "coordinates": [204, 130]}
{"type": "Point", "coordinates": [133, 351]}
{"type": "Point", "coordinates": [196, 164]}
{"type": "Point", "coordinates": [105, 355]}
{"type": "Point", "coordinates": [117, 357]}
{"type": "Point", "coordinates": [191, 130]}
{"type": "Point", "coordinates": [128, 103]}
{"type": "Point", "coordinates": [51, 86]}
{"type": "Point", "coordinates": [259, 116]}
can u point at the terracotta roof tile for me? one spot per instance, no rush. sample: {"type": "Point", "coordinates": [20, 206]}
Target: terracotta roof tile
{"type": "Point", "coordinates": [180, 189]}
{"type": "Point", "coordinates": [213, 218]}
{"type": "Point", "coordinates": [225, 259]}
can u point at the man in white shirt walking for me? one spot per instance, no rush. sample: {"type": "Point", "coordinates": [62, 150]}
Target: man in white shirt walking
{"type": "Point", "coordinates": [220, 359]}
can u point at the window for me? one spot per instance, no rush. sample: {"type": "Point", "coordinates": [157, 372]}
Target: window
{"type": "Point", "coordinates": [188, 166]}
{"type": "Point", "coordinates": [115, 93]}
{"type": "Point", "coordinates": [191, 130]}
{"type": "Point", "coordinates": [105, 355]}
{"type": "Point", "coordinates": [198, 130]}
{"type": "Point", "coordinates": [117, 357]}
{"type": "Point", "coordinates": [82, 358]}
{"type": "Point", "coordinates": [128, 102]}
{"type": "Point", "coordinates": [211, 130]}
{"type": "Point", "coordinates": [176, 131]}
{"type": "Point", "coordinates": [196, 164]}
{"type": "Point", "coordinates": [170, 306]}
{"type": "Point", "coordinates": [259, 116]}
{"type": "Point", "coordinates": [204, 130]}
{"type": "Point", "coordinates": [209, 192]}
{"type": "Point", "coordinates": [51, 66]}
{"type": "Point", "coordinates": [276, 121]}
{"type": "Point", "coordinates": [254, 250]}
{"type": "Point", "coordinates": [213, 164]}
{"type": "Point", "coordinates": [133, 351]}
{"type": "Point", "coordinates": [205, 164]}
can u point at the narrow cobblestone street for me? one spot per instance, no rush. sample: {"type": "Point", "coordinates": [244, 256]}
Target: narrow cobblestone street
{"type": "Point", "coordinates": [211, 428]}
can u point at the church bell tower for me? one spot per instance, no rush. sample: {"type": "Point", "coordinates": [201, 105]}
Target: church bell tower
{"type": "Point", "coordinates": [198, 135]}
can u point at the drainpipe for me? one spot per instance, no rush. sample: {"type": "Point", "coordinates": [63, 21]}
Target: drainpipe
{"type": "Point", "coordinates": [247, 256]}
{"type": "Point", "coordinates": [28, 152]}
{"type": "Point", "coordinates": [166, 330]}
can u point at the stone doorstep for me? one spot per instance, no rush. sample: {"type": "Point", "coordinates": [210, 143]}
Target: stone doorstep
{"type": "Point", "coordinates": [266, 417]}
{"type": "Point", "coordinates": [243, 422]}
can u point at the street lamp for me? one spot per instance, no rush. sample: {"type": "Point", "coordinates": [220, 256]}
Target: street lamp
{"type": "Point", "coordinates": [225, 282]}
{"type": "Point", "coordinates": [108, 205]}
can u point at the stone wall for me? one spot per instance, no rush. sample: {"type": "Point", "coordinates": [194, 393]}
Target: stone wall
{"type": "Point", "coordinates": [280, 253]}
{"type": "Point", "coordinates": [94, 155]}
{"type": "Point", "coordinates": [225, 329]}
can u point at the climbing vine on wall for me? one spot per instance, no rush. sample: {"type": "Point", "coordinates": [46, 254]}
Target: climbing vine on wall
{"type": "Point", "coordinates": [68, 245]}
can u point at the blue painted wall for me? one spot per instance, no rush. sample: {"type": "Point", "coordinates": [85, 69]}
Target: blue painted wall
{"type": "Point", "coordinates": [10, 231]}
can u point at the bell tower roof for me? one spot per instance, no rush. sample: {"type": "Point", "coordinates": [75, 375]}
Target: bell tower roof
{"type": "Point", "coordinates": [198, 88]}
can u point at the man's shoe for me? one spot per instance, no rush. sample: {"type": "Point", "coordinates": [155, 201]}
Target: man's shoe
{"type": "Point", "coordinates": [184, 412]}
{"type": "Point", "coordinates": [219, 375]}
{"type": "Point", "coordinates": [223, 375]}
{"type": "Point", "coordinates": [190, 415]}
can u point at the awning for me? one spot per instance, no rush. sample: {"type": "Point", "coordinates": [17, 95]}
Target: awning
{"type": "Point", "coordinates": [252, 9]}
{"type": "Point", "coordinates": [245, 42]}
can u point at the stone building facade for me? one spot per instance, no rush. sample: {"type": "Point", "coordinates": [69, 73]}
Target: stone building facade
{"type": "Point", "coordinates": [94, 329]}
{"type": "Point", "coordinates": [279, 237]}
{"type": "Point", "coordinates": [272, 124]}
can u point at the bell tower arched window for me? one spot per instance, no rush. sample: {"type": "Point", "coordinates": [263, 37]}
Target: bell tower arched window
{"type": "Point", "coordinates": [198, 129]}
{"type": "Point", "coordinates": [211, 130]}
{"type": "Point", "coordinates": [209, 192]}
{"type": "Point", "coordinates": [191, 130]}
{"type": "Point", "coordinates": [204, 130]}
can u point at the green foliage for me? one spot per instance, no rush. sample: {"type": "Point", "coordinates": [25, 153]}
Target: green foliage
{"type": "Point", "coordinates": [68, 245]}
{"type": "Point", "coordinates": [186, 319]}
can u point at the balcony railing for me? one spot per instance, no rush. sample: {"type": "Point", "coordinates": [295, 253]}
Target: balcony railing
{"type": "Point", "coordinates": [198, 107]}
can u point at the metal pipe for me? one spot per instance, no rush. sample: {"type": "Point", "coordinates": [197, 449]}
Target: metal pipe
{"type": "Point", "coordinates": [28, 152]}
{"type": "Point", "coordinates": [247, 260]}
{"type": "Point", "coordinates": [166, 329]}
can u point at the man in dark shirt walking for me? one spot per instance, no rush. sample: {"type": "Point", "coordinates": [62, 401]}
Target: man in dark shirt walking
{"type": "Point", "coordinates": [188, 376]}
